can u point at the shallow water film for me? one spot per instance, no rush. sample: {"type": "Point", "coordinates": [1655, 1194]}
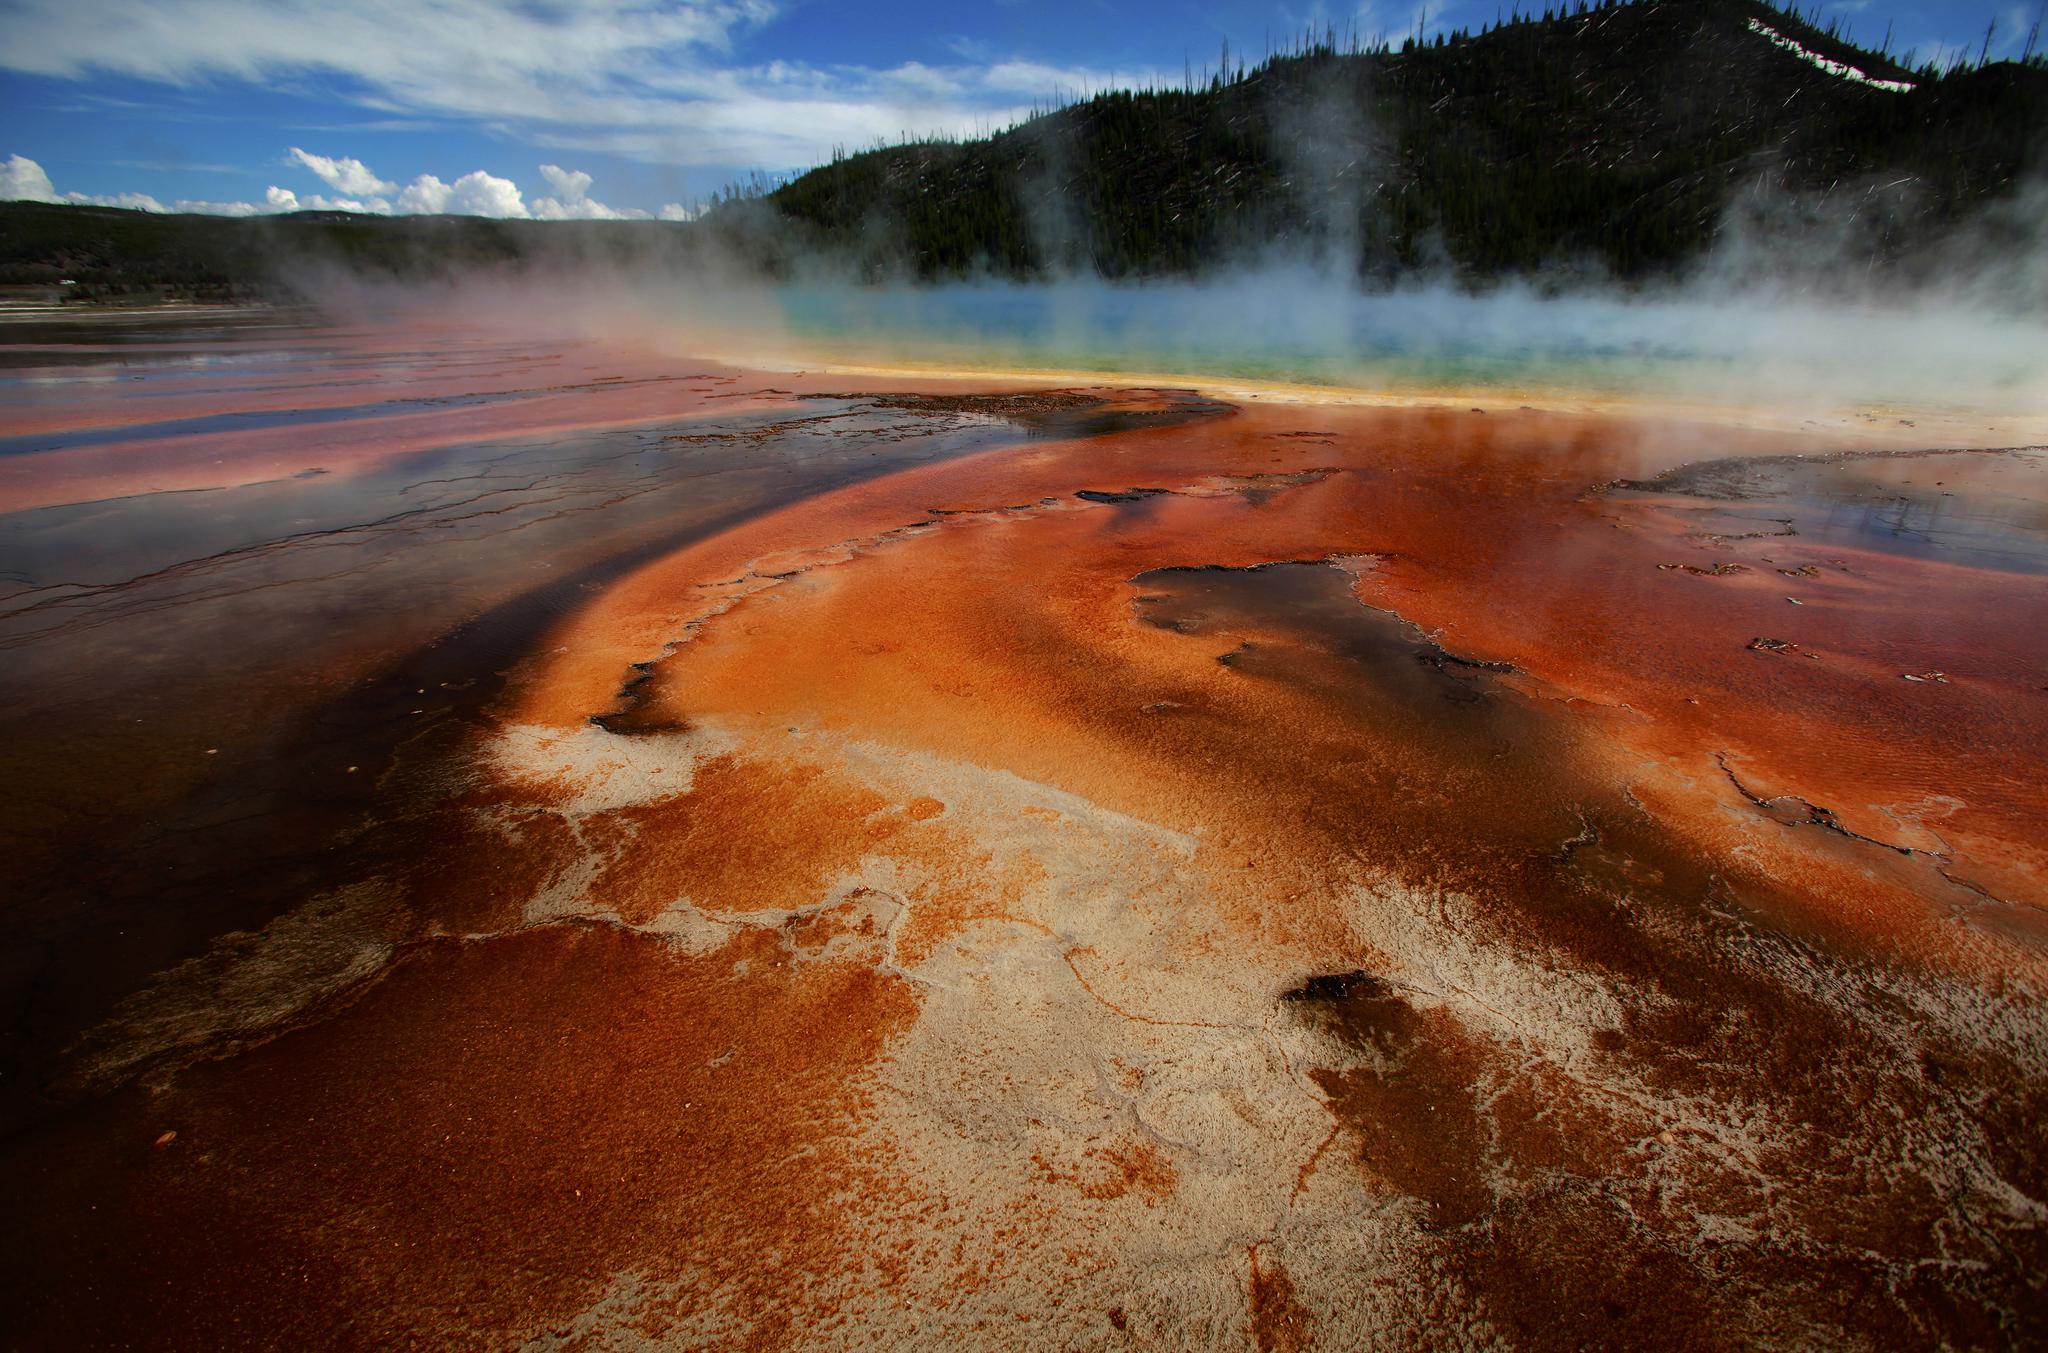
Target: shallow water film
{"type": "Point", "coordinates": [554, 844]}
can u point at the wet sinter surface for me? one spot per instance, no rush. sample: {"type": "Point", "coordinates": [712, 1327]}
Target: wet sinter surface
{"type": "Point", "coordinates": [555, 845]}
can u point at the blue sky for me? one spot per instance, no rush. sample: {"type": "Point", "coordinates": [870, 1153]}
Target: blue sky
{"type": "Point", "coordinates": [631, 105]}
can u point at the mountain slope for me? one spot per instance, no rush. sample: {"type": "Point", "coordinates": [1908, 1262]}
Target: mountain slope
{"type": "Point", "coordinates": [1629, 138]}
{"type": "Point", "coordinates": [1616, 136]}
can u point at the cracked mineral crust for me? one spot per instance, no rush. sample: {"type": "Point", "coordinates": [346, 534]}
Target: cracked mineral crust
{"type": "Point", "coordinates": [712, 859]}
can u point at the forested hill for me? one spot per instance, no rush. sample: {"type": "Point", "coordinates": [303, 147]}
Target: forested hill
{"type": "Point", "coordinates": [1615, 135]}
{"type": "Point", "coordinates": [1625, 138]}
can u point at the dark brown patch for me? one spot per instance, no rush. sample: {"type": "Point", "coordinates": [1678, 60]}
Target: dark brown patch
{"type": "Point", "coordinates": [1280, 1324]}
{"type": "Point", "coordinates": [1409, 1105]}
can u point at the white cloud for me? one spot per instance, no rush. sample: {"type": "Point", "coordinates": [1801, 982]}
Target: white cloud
{"type": "Point", "coordinates": [569, 184]}
{"type": "Point", "coordinates": [132, 201]}
{"type": "Point", "coordinates": [572, 200]}
{"type": "Point", "coordinates": [650, 79]}
{"type": "Point", "coordinates": [2013, 29]}
{"type": "Point", "coordinates": [581, 209]}
{"type": "Point", "coordinates": [1028, 79]}
{"type": "Point", "coordinates": [277, 201]}
{"type": "Point", "coordinates": [23, 180]}
{"type": "Point", "coordinates": [400, 45]}
{"type": "Point", "coordinates": [481, 194]}
{"type": "Point", "coordinates": [425, 196]}
{"type": "Point", "coordinates": [375, 206]}
{"type": "Point", "coordinates": [1940, 54]}
{"type": "Point", "coordinates": [501, 59]}
{"type": "Point", "coordinates": [346, 176]}
{"type": "Point", "coordinates": [201, 207]}
{"type": "Point", "coordinates": [1394, 20]}
{"type": "Point", "coordinates": [474, 194]}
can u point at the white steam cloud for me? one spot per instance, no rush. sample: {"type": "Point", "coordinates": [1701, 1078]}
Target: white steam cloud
{"type": "Point", "coordinates": [1724, 342]}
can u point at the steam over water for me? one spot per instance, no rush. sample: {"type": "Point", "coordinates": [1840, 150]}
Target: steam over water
{"type": "Point", "coordinates": [1283, 329]}
{"type": "Point", "coordinates": [1719, 344]}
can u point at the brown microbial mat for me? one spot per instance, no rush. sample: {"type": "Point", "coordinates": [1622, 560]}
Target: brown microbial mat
{"type": "Point", "coordinates": [555, 845]}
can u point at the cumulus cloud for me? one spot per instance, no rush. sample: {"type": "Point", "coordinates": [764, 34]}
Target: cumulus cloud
{"type": "Point", "coordinates": [569, 184]}
{"type": "Point", "coordinates": [572, 200]}
{"type": "Point", "coordinates": [23, 180]}
{"type": "Point", "coordinates": [132, 201]}
{"type": "Point", "coordinates": [202, 207]}
{"type": "Point", "coordinates": [425, 196]}
{"type": "Point", "coordinates": [650, 79]}
{"type": "Point", "coordinates": [345, 175]}
{"type": "Point", "coordinates": [474, 194]}
{"type": "Point", "coordinates": [277, 201]}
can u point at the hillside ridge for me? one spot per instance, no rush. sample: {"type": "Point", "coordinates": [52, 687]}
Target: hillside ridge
{"type": "Point", "coordinates": [1624, 139]}
{"type": "Point", "coordinates": [1618, 135]}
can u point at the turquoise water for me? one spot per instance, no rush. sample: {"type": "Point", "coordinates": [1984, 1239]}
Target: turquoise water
{"type": "Point", "coordinates": [1291, 327]}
